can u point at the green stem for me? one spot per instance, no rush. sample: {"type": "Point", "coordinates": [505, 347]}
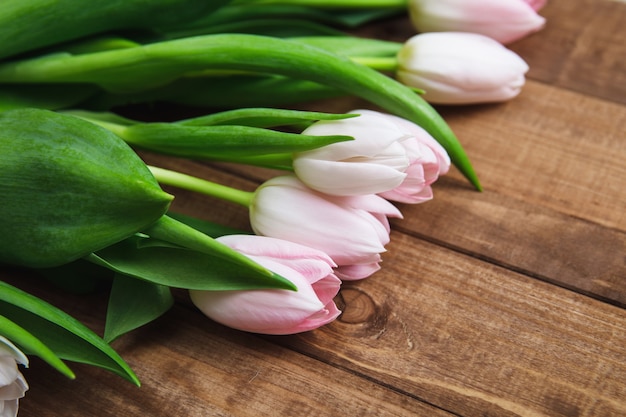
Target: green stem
{"type": "Point", "coordinates": [188, 182]}
{"type": "Point", "coordinates": [388, 64]}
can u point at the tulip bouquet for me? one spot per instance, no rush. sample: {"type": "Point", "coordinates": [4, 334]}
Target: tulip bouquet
{"type": "Point", "coordinates": [85, 209]}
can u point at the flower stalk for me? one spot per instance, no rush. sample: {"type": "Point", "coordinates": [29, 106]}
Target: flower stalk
{"type": "Point", "coordinates": [190, 183]}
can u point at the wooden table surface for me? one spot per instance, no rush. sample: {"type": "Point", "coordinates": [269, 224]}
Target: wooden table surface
{"type": "Point", "coordinates": [508, 302]}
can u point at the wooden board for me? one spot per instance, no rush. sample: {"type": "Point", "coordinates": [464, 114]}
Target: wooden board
{"type": "Point", "coordinates": [508, 302]}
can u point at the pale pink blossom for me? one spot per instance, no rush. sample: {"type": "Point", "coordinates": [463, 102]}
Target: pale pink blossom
{"type": "Point", "coordinates": [275, 311]}
{"type": "Point", "coordinates": [13, 386]}
{"type": "Point", "coordinates": [352, 230]}
{"type": "Point", "coordinates": [503, 20]}
{"type": "Point", "coordinates": [374, 162]}
{"type": "Point", "coordinates": [427, 161]}
{"type": "Point", "coordinates": [461, 68]}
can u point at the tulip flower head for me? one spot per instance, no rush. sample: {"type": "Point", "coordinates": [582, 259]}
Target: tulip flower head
{"type": "Point", "coordinates": [427, 161]}
{"type": "Point", "coordinates": [503, 20]}
{"type": "Point", "coordinates": [389, 156]}
{"type": "Point", "coordinates": [374, 162]}
{"type": "Point", "coordinates": [352, 230]}
{"type": "Point", "coordinates": [276, 311]}
{"type": "Point", "coordinates": [13, 386]}
{"type": "Point", "coordinates": [461, 68]}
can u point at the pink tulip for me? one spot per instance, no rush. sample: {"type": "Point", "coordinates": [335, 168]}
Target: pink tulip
{"type": "Point", "coordinates": [352, 230]}
{"type": "Point", "coordinates": [503, 20]}
{"type": "Point", "coordinates": [461, 68]}
{"type": "Point", "coordinates": [276, 311]}
{"type": "Point", "coordinates": [374, 162]}
{"type": "Point", "coordinates": [427, 161]}
{"type": "Point", "coordinates": [13, 386]}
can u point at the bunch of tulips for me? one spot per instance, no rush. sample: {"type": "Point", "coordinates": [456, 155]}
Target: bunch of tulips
{"type": "Point", "coordinates": [84, 208]}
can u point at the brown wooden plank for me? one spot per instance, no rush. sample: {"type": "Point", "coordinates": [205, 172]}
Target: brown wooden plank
{"type": "Point", "coordinates": [553, 148]}
{"type": "Point", "coordinates": [477, 339]}
{"type": "Point", "coordinates": [190, 366]}
{"type": "Point", "coordinates": [581, 48]}
{"type": "Point", "coordinates": [539, 242]}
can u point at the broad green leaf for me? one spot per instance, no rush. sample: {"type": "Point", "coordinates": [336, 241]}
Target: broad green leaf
{"type": "Point", "coordinates": [30, 345]}
{"type": "Point", "coordinates": [133, 303]}
{"type": "Point", "coordinates": [61, 333]}
{"type": "Point", "coordinates": [157, 64]}
{"type": "Point", "coordinates": [71, 188]}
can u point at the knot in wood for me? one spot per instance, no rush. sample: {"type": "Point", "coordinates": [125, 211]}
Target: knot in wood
{"type": "Point", "coordinates": [358, 307]}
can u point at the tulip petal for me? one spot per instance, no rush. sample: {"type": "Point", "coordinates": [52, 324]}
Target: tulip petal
{"type": "Point", "coordinates": [356, 271]}
{"type": "Point", "coordinates": [279, 211]}
{"type": "Point", "coordinates": [261, 311]}
{"type": "Point", "coordinates": [348, 178]}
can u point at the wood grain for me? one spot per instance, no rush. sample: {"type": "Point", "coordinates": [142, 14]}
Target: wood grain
{"type": "Point", "coordinates": [504, 303]}
{"type": "Point", "coordinates": [192, 367]}
{"type": "Point", "coordinates": [581, 48]}
{"type": "Point", "coordinates": [476, 339]}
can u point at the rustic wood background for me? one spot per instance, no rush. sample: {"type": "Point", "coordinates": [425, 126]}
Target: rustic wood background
{"type": "Point", "coordinates": [508, 302]}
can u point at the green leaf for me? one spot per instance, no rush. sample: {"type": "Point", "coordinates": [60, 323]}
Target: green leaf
{"type": "Point", "coordinates": [164, 264]}
{"type": "Point", "coordinates": [282, 28]}
{"type": "Point", "coordinates": [134, 303]}
{"type": "Point", "coordinates": [154, 65]}
{"type": "Point", "coordinates": [49, 24]}
{"type": "Point", "coordinates": [262, 117]}
{"type": "Point", "coordinates": [174, 254]}
{"type": "Point", "coordinates": [238, 18]}
{"type": "Point", "coordinates": [32, 346]}
{"type": "Point", "coordinates": [61, 333]}
{"type": "Point", "coordinates": [225, 143]}
{"type": "Point", "coordinates": [71, 188]}
{"type": "Point", "coordinates": [221, 92]}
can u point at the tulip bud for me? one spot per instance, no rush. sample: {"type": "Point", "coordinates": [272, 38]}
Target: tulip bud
{"type": "Point", "coordinates": [69, 188]}
{"type": "Point", "coordinates": [276, 311]}
{"type": "Point", "coordinates": [427, 161]}
{"type": "Point", "coordinates": [13, 386]}
{"type": "Point", "coordinates": [375, 161]}
{"type": "Point", "coordinates": [503, 20]}
{"type": "Point", "coordinates": [352, 230]}
{"type": "Point", "coordinates": [461, 68]}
